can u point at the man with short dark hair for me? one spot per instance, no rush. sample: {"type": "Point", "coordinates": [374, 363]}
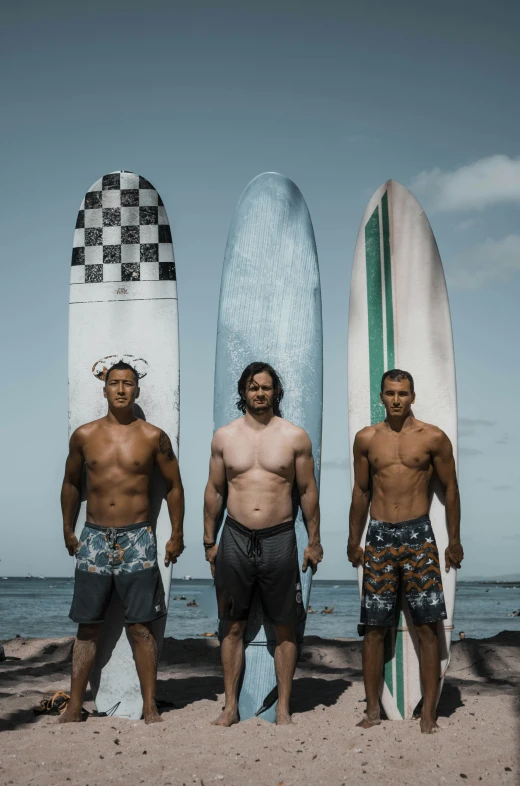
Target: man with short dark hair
{"type": "Point", "coordinates": [394, 462]}
{"type": "Point", "coordinates": [117, 547]}
{"type": "Point", "coordinates": [255, 461]}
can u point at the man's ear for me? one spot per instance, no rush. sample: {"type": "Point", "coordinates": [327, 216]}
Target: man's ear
{"type": "Point", "coordinates": [381, 398]}
{"type": "Point", "coordinates": [413, 398]}
{"type": "Point", "coordinates": [105, 391]}
{"type": "Point", "coordinates": [138, 391]}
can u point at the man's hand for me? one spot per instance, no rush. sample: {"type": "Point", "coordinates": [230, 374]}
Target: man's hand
{"type": "Point", "coordinates": [355, 555]}
{"type": "Point", "coordinates": [71, 543]}
{"type": "Point", "coordinates": [173, 550]}
{"type": "Point", "coordinates": [211, 556]}
{"type": "Point", "coordinates": [454, 555]}
{"type": "Point", "coordinates": [312, 556]}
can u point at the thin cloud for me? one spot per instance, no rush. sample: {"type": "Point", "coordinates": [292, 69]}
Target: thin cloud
{"type": "Point", "coordinates": [335, 464]}
{"type": "Point", "coordinates": [467, 224]}
{"type": "Point", "coordinates": [504, 440]}
{"type": "Point", "coordinates": [489, 181]}
{"type": "Point", "coordinates": [505, 487]}
{"type": "Point", "coordinates": [469, 452]}
{"type": "Point", "coordinates": [485, 263]}
{"type": "Point", "coordinates": [476, 422]}
{"type": "Point", "coordinates": [511, 537]}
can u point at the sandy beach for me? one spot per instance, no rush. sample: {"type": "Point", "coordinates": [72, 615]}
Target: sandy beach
{"type": "Point", "coordinates": [478, 740]}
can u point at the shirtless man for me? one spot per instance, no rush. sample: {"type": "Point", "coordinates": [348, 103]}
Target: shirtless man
{"type": "Point", "coordinates": [255, 461]}
{"type": "Point", "coordinates": [394, 462]}
{"type": "Point", "coordinates": [117, 547]}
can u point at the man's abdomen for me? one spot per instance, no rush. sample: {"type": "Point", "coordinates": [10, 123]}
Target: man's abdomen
{"type": "Point", "coordinates": [257, 504]}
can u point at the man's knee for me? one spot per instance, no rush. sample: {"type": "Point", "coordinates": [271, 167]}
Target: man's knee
{"type": "Point", "coordinates": [285, 633]}
{"type": "Point", "coordinates": [427, 633]}
{"type": "Point", "coordinates": [87, 632]}
{"type": "Point", "coordinates": [374, 634]}
{"type": "Point", "coordinates": [140, 632]}
{"type": "Point", "coordinates": [234, 629]}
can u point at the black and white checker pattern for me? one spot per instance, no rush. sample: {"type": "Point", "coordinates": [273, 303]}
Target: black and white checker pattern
{"type": "Point", "coordinates": [122, 233]}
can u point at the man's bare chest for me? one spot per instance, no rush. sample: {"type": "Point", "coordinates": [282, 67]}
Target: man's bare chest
{"type": "Point", "coordinates": [271, 456]}
{"type": "Point", "coordinates": [394, 451]}
{"type": "Point", "coordinates": [130, 455]}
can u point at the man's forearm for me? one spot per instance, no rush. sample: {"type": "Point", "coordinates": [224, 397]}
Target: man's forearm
{"type": "Point", "coordinates": [452, 502]}
{"type": "Point", "coordinates": [358, 516]}
{"type": "Point", "coordinates": [175, 501]}
{"type": "Point", "coordinates": [214, 503]}
{"type": "Point", "coordinates": [309, 503]}
{"type": "Point", "coordinates": [70, 497]}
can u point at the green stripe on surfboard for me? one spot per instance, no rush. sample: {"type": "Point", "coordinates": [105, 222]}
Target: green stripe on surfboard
{"type": "Point", "coordinates": [375, 267]}
{"type": "Point", "coordinates": [390, 352]}
{"type": "Point", "coordinates": [375, 313]}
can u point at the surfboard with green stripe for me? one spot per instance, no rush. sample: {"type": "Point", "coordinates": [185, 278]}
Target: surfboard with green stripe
{"type": "Point", "coordinates": [399, 317]}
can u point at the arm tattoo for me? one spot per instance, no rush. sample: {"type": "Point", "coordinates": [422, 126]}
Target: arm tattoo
{"type": "Point", "coordinates": [165, 446]}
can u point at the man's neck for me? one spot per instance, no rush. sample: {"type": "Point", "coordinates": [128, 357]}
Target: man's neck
{"type": "Point", "coordinates": [398, 423]}
{"type": "Point", "coordinates": [121, 417]}
{"type": "Point", "coordinates": [258, 421]}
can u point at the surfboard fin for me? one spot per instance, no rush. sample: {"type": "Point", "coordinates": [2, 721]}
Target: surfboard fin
{"type": "Point", "coordinates": [269, 700]}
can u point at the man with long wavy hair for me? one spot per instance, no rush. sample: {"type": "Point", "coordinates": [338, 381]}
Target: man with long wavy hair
{"type": "Point", "coordinates": [255, 462]}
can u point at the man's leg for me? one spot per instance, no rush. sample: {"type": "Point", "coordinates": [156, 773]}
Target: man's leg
{"type": "Point", "coordinates": [145, 655]}
{"type": "Point", "coordinates": [232, 655]}
{"type": "Point", "coordinates": [82, 661]}
{"type": "Point", "coordinates": [373, 653]}
{"type": "Point", "coordinates": [429, 659]}
{"type": "Point", "coordinates": [285, 657]}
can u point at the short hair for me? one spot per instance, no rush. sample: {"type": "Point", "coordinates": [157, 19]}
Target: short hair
{"type": "Point", "coordinates": [122, 366]}
{"type": "Point", "coordinates": [397, 375]}
{"type": "Point", "coordinates": [248, 373]}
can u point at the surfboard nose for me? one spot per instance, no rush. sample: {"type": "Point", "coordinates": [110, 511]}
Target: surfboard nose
{"type": "Point", "coordinates": [122, 234]}
{"type": "Point", "coordinates": [279, 188]}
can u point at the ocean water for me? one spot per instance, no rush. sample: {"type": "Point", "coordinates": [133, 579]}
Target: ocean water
{"type": "Point", "coordinates": [39, 608]}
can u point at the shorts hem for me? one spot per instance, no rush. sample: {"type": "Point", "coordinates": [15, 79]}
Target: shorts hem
{"type": "Point", "coordinates": [85, 622]}
{"type": "Point", "coordinates": [148, 619]}
{"type": "Point", "coordinates": [379, 623]}
{"type": "Point", "coordinates": [233, 619]}
{"type": "Point", "coordinates": [429, 620]}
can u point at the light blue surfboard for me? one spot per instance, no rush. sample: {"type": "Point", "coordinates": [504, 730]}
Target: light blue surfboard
{"type": "Point", "coordinates": [270, 310]}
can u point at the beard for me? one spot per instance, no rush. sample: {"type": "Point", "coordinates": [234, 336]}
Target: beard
{"type": "Point", "coordinates": [260, 409]}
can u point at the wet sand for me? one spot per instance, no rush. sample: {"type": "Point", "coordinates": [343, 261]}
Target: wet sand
{"type": "Point", "coordinates": [478, 740]}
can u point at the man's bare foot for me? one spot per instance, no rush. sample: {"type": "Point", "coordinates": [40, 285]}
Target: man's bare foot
{"type": "Point", "coordinates": [71, 716]}
{"type": "Point", "coordinates": [151, 715]}
{"type": "Point", "coordinates": [369, 720]}
{"type": "Point", "coordinates": [283, 718]}
{"type": "Point", "coordinates": [226, 718]}
{"type": "Point", "coordinates": [428, 725]}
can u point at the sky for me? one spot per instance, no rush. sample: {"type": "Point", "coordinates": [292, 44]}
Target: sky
{"type": "Point", "coordinates": [199, 98]}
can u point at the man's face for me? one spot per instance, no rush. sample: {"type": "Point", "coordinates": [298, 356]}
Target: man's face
{"type": "Point", "coordinates": [397, 398]}
{"type": "Point", "coordinates": [121, 389]}
{"type": "Point", "coordinates": [260, 393]}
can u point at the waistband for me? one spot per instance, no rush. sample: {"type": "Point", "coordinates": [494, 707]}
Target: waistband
{"type": "Point", "coordinates": [128, 528]}
{"type": "Point", "coordinates": [398, 524]}
{"type": "Point", "coordinates": [265, 532]}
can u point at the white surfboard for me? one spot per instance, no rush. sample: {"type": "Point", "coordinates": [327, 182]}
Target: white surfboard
{"type": "Point", "coordinates": [123, 306]}
{"type": "Point", "coordinates": [270, 310]}
{"type": "Point", "coordinates": [399, 317]}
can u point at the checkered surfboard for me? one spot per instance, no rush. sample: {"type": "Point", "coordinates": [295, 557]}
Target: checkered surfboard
{"type": "Point", "coordinates": [123, 306]}
{"type": "Point", "coordinates": [122, 233]}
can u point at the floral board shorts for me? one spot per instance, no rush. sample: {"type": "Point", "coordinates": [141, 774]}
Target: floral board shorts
{"type": "Point", "coordinates": [123, 559]}
{"type": "Point", "coordinates": [401, 553]}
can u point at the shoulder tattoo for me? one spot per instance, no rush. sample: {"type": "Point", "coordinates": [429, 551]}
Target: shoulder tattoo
{"type": "Point", "coordinates": [165, 446]}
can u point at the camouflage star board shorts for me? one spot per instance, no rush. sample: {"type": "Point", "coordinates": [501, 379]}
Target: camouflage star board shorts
{"type": "Point", "coordinates": [405, 552]}
{"type": "Point", "coordinates": [123, 559]}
